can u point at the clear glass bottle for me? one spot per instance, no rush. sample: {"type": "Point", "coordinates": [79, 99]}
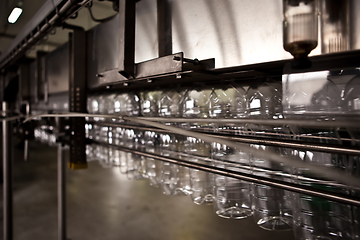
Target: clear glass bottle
{"type": "Point", "coordinates": [175, 179]}
{"type": "Point", "coordinates": [314, 96]}
{"type": "Point", "coordinates": [300, 27]}
{"type": "Point", "coordinates": [232, 197]}
{"type": "Point", "coordinates": [150, 108]}
{"type": "Point", "coordinates": [196, 105]}
{"type": "Point", "coordinates": [272, 206]}
{"type": "Point", "coordinates": [317, 218]}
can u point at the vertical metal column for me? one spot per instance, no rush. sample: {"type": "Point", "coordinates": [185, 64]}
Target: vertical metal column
{"type": "Point", "coordinates": [164, 28]}
{"type": "Point", "coordinates": [8, 176]}
{"type": "Point", "coordinates": [26, 133]}
{"type": "Point", "coordinates": [40, 77]}
{"type": "Point", "coordinates": [77, 97]}
{"type": "Point", "coordinates": [127, 9]}
{"type": "Point", "coordinates": [61, 174]}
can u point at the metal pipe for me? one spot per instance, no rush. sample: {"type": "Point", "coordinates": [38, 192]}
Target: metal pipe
{"type": "Point", "coordinates": [272, 122]}
{"type": "Point", "coordinates": [26, 141]}
{"type": "Point", "coordinates": [61, 175]}
{"type": "Point", "coordinates": [7, 176]}
{"type": "Point", "coordinates": [246, 177]}
{"type": "Point", "coordinates": [255, 140]}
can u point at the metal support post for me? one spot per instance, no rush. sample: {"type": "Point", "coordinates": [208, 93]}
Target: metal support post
{"type": "Point", "coordinates": [127, 38]}
{"type": "Point", "coordinates": [26, 133]}
{"type": "Point", "coordinates": [164, 27]}
{"type": "Point", "coordinates": [77, 97]}
{"type": "Point", "coordinates": [61, 193]}
{"type": "Point", "coordinates": [7, 175]}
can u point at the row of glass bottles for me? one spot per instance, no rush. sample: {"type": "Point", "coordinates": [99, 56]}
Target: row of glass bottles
{"type": "Point", "coordinates": [272, 208]}
{"type": "Point", "coordinates": [45, 134]}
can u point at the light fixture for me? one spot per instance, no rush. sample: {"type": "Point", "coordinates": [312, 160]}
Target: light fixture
{"type": "Point", "coordinates": [14, 15]}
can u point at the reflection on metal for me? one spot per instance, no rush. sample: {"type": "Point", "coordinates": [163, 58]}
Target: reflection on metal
{"type": "Point", "coordinates": [271, 122]}
{"type": "Point", "coordinates": [258, 140]}
{"type": "Point", "coordinates": [246, 177]}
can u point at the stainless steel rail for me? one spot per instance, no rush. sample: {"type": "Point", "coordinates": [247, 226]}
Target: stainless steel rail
{"type": "Point", "coordinates": [246, 177]}
{"type": "Point", "coordinates": [323, 124]}
{"type": "Point", "coordinates": [254, 140]}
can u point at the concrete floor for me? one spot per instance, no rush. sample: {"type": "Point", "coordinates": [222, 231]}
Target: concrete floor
{"type": "Point", "coordinates": [103, 204]}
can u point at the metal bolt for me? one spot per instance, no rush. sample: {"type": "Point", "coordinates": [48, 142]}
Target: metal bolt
{"type": "Point", "coordinates": [99, 75]}
{"type": "Point", "coordinates": [178, 76]}
{"type": "Point", "coordinates": [149, 81]}
{"type": "Point", "coordinates": [177, 58]}
{"type": "Point", "coordinates": [126, 84]}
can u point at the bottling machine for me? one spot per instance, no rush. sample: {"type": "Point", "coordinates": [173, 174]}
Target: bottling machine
{"type": "Point", "coordinates": [251, 106]}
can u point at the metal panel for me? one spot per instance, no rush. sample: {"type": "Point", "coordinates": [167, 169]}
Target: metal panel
{"type": "Point", "coordinates": [57, 70]}
{"type": "Point", "coordinates": [102, 42]}
{"type": "Point", "coordinates": [167, 64]}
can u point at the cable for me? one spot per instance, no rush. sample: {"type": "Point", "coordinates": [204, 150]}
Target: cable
{"type": "Point", "coordinates": [96, 19]}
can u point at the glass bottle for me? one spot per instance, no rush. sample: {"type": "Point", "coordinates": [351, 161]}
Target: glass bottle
{"type": "Point", "coordinates": [150, 108]}
{"type": "Point", "coordinates": [196, 105]}
{"type": "Point", "coordinates": [232, 197]}
{"type": "Point", "coordinates": [175, 179]}
{"type": "Point", "coordinates": [272, 206]}
{"type": "Point", "coordinates": [300, 27]}
{"type": "Point", "coordinates": [351, 108]}
{"type": "Point", "coordinates": [314, 96]}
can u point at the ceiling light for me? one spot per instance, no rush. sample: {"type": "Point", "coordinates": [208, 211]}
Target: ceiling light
{"type": "Point", "coordinates": [14, 15]}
